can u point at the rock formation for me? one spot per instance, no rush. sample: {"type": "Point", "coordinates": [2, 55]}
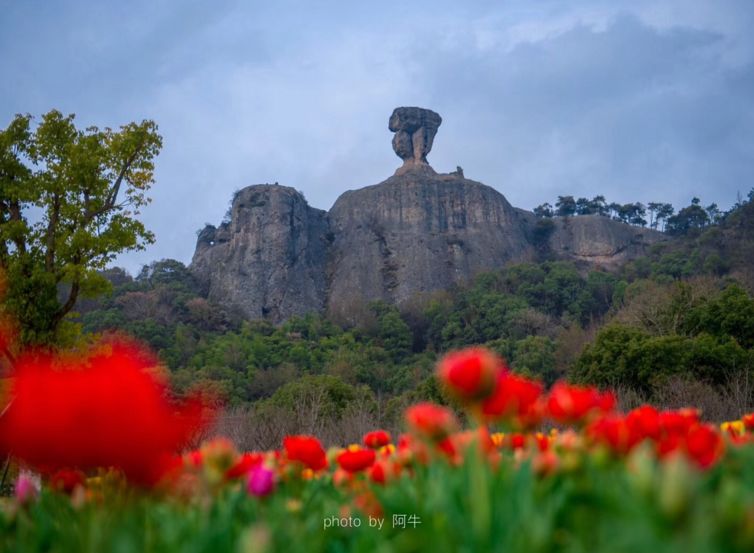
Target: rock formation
{"type": "Point", "coordinates": [415, 130]}
{"type": "Point", "coordinates": [418, 231]}
{"type": "Point", "coordinates": [598, 240]}
{"type": "Point", "coordinates": [268, 260]}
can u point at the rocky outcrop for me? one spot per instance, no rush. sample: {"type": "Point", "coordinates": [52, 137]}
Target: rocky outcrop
{"type": "Point", "coordinates": [418, 231]}
{"type": "Point", "coordinates": [269, 259]}
{"type": "Point", "coordinates": [599, 240]}
{"type": "Point", "coordinates": [592, 239]}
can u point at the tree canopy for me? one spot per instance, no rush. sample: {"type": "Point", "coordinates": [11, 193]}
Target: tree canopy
{"type": "Point", "coordinates": [69, 202]}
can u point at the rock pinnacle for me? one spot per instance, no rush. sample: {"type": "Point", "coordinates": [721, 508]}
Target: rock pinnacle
{"type": "Point", "coordinates": [414, 129]}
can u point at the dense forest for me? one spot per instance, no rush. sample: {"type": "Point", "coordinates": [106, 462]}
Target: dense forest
{"type": "Point", "coordinates": [677, 321]}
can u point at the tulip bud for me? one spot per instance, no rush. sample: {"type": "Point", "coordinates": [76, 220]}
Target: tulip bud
{"type": "Point", "coordinates": [27, 487]}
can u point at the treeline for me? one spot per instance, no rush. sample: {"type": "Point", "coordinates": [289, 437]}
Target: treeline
{"type": "Point", "coordinates": [656, 215]}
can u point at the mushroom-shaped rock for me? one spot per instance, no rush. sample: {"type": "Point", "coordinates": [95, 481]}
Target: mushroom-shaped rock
{"type": "Point", "coordinates": [414, 129]}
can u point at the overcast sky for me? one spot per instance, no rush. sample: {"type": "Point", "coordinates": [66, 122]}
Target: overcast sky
{"type": "Point", "coordinates": [636, 100]}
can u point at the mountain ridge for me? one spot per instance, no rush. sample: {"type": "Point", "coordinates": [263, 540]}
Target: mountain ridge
{"type": "Point", "coordinates": [417, 231]}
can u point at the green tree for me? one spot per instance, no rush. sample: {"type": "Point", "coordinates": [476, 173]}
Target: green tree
{"type": "Point", "coordinates": [69, 201]}
{"type": "Point", "coordinates": [323, 396]}
{"type": "Point", "coordinates": [168, 272]}
{"type": "Point", "coordinates": [565, 206]}
{"type": "Point", "coordinates": [543, 210]}
{"type": "Point", "coordinates": [584, 206]}
{"type": "Point", "coordinates": [653, 208]}
{"type": "Point", "coordinates": [599, 205]}
{"type": "Point", "coordinates": [541, 234]}
{"type": "Point", "coordinates": [393, 333]}
{"type": "Point", "coordinates": [535, 355]}
{"type": "Point", "coordinates": [730, 313]}
{"type": "Point", "coordinates": [664, 212]}
{"type": "Point", "coordinates": [692, 217]}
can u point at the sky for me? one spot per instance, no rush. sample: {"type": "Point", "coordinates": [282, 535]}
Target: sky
{"type": "Point", "coordinates": [635, 100]}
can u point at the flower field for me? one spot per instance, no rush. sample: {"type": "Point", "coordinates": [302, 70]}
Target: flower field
{"type": "Point", "coordinates": [511, 467]}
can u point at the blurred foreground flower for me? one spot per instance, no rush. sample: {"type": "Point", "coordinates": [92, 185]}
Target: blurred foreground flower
{"type": "Point", "coordinates": [305, 449]}
{"type": "Point", "coordinates": [106, 408]}
{"type": "Point", "coordinates": [376, 439]}
{"type": "Point", "coordinates": [356, 460]}
{"type": "Point", "coordinates": [470, 374]}
{"type": "Point", "coordinates": [568, 404]}
{"type": "Point", "coordinates": [261, 481]}
{"type": "Point", "coordinates": [516, 398]}
{"type": "Point", "coordinates": [244, 465]}
{"type": "Point", "coordinates": [431, 421]}
{"type": "Point", "coordinates": [27, 487]}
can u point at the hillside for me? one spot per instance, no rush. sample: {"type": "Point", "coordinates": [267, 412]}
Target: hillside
{"type": "Point", "coordinates": [540, 315]}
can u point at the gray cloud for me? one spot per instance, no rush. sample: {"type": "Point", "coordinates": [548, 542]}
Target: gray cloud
{"type": "Point", "coordinates": [635, 100]}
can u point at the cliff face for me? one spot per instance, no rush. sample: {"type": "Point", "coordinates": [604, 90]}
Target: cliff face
{"type": "Point", "coordinates": [599, 240]}
{"type": "Point", "coordinates": [269, 260]}
{"type": "Point", "coordinates": [418, 231]}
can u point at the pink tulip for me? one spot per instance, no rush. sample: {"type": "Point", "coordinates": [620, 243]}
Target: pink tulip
{"type": "Point", "coordinates": [261, 481]}
{"type": "Point", "coordinates": [27, 487]}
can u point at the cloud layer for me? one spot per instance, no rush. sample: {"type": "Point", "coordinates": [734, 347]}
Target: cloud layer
{"type": "Point", "coordinates": [639, 101]}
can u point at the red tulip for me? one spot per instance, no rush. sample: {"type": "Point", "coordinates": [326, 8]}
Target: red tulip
{"type": "Point", "coordinates": [378, 472]}
{"type": "Point", "coordinates": [305, 449]}
{"type": "Point", "coordinates": [377, 439]}
{"type": "Point", "coordinates": [704, 445]}
{"type": "Point", "coordinates": [194, 458]}
{"type": "Point", "coordinates": [470, 374]}
{"type": "Point", "coordinates": [668, 444]}
{"type": "Point", "coordinates": [645, 422]}
{"type": "Point", "coordinates": [449, 447]}
{"type": "Point", "coordinates": [569, 404]}
{"type": "Point", "coordinates": [431, 421]}
{"type": "Point", "coordinates": [614, 431]}
{"type": "Point", "coordinates": [243, 466]}
{"type": "Point", "coordinates": [543, 441]}
{"type": "Point", "coordinates": [356, 460]}
{"type": "Point", "coordinates": [514, 396]}
{"type": "Point", "coordinates": [678, 422]}
{"type": "Point", "coordinates": [107, 409]}
{"type": "Point", "coordinates": [517, 441]}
